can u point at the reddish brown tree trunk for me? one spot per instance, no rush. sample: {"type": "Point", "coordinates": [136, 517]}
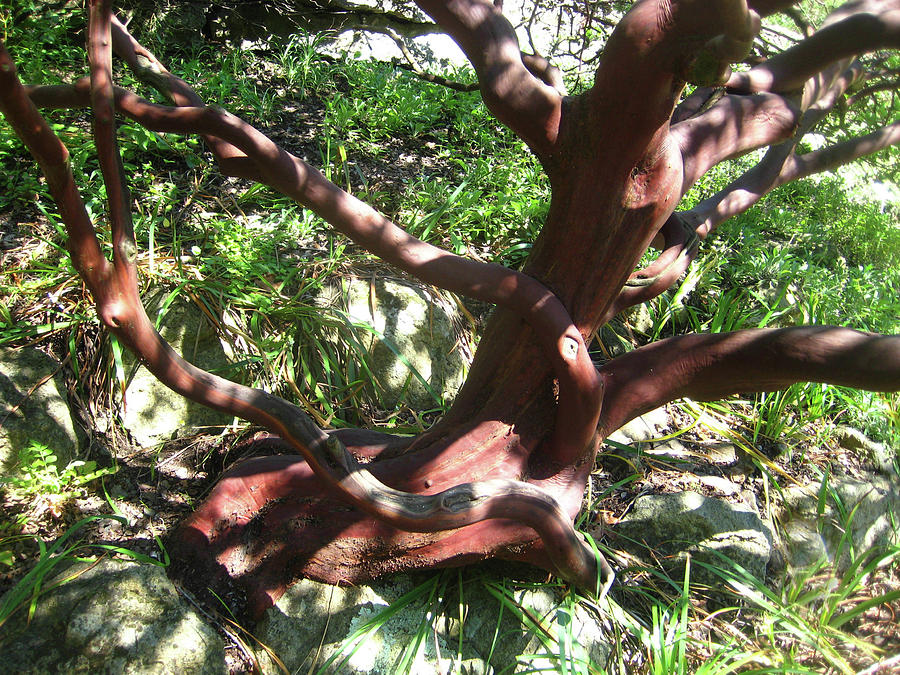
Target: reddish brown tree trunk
{"type": "Point", "coordinates": [602, 218]}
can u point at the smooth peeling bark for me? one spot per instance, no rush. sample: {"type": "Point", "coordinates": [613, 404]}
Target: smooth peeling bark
{"type": "Point", "coordinates": [681, 244]}
{"type": "Point", "coordinates": [649, 57]}
{"type": "Point", "coordinates": [519, 99]}
{"type": "Point", "coordinates": [605, 211]}
{"type": "Point", "coordinates": [733, 126]}
{"type": "Point", "coordinates": [454, 507]}
{"type": "Point", "coordinates": [616, 174]}
{"type": "Point", "coordinates": [257, 550]}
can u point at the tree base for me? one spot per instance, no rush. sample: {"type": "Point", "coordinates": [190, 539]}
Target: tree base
{"type": "Point", "coordinates": [271, 521]}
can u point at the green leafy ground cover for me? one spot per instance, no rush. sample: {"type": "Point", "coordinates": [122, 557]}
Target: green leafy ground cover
{"type": "Point", "coordinates": [433, 160]}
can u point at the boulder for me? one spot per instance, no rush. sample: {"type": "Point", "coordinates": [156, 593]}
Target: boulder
{"type": "Point", "coordinates": [866, 510]}
{"type": "Point", "coordinates": [313, 623]}
{"type": "Point", "coordinates": [648, 426]}
{"type": "Point", "coordinates": [666, 527]}
{"type": "Point", "coordinates": [33, 407]}
{"type": "Point", "coordinates": [882, 458]}
{"type": "Point", "coordinates": [111, 617]}
{"type": "Point", "coordinates": [508, 636]}
{"type": "Point", "coordinates": [410, 336]}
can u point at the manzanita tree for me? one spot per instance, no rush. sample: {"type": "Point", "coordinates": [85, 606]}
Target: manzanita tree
{"type": "Point", "coordinates": [502, 474]}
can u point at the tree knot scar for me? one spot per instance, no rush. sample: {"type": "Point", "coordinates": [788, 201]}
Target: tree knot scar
{"type": "Point", "coordinates": [129, 251]}
{"type": "Point", "coordinates": [569, 348]}
{"type": "Point", "coordinates": [460, 500]}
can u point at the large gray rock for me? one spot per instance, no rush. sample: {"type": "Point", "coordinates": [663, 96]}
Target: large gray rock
{"type": "Point", "coordinates": [648, 426]}
{"type": "Point", "coordinates": [515, 645]}
{"type": "Point", "coordinates": [673, 525]}
{"type": "Point", "coordinates": [114, 617]}
{"type": "Point", "coordinates": [409, 335]}
{"type": "Point", "coordinates": [153, 413]}
{"type": "Point", "coordinates": [882, 458]}
{"type": "Point", "coordinates": [868, 511]}
{"type": "Point", "coordinates": [41, 415]}
{"type": "Point", "coordinates": [312, 622]}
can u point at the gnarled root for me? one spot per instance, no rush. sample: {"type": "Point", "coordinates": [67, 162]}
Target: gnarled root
{"type": "Point", "coordinates": [271, 521]}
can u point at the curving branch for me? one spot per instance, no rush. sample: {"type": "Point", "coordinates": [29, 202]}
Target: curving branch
{"type": "Point", "coordinates": [711, 126]}
{"type": "Point", "coordinates": [680, 250]}
{"type": "Point", "coordinates": [780, 164]}
{"type": "Point", "coordinates": [580, 394]}
{"type": "Point", "coordinates": [104, 130]}
{"type": "Point", "coordinates": [708, 367]}
{"type": "Point", "coordinates": [656, 48]}
{"type": "Point", "coordinates": [733, 126]}
{"type": "Point", "coordinates": [150, 70]}
{"type": "Point", "coordinates": [711, 129]}
{"type": "Point", "coordinates": [872, 89]}
{"type": "Point", "coordinates": [518, 98]}
{"type": "Point", "coordinates": [857, 27]}
{"type": "Point", "coordinates": [824, 159]}
{"type": "Point", "coordinates": [250, 154]}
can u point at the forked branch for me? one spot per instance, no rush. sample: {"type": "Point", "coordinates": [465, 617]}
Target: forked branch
{"type": "Point", "coordinates": [855, 28]}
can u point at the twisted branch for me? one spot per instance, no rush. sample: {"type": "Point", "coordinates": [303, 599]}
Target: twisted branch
{"type": "Point", "coordinates": [710, 127]}
{"type": "Point", "coordinates": [857, 27]}
{"type": "Point", "coordinates": [516, 97]}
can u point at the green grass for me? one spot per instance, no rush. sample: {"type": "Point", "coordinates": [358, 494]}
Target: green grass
{"type": "Point", "coordinates": [812, 252]}
{"type": "Point", "coordinates": [28, 590]}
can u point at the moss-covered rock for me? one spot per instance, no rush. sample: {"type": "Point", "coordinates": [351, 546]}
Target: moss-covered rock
{"type": "Point", "coordinates": [112, 617]}
{"type": "Point", "coordinates": [33, 407]}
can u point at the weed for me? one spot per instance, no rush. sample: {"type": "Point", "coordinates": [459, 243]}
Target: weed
{"type": "Point", "coordinates": [38, 474]}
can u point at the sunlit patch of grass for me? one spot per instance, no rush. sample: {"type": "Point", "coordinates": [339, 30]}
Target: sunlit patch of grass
{"type": "Point", "coordinates": [806, 255]}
